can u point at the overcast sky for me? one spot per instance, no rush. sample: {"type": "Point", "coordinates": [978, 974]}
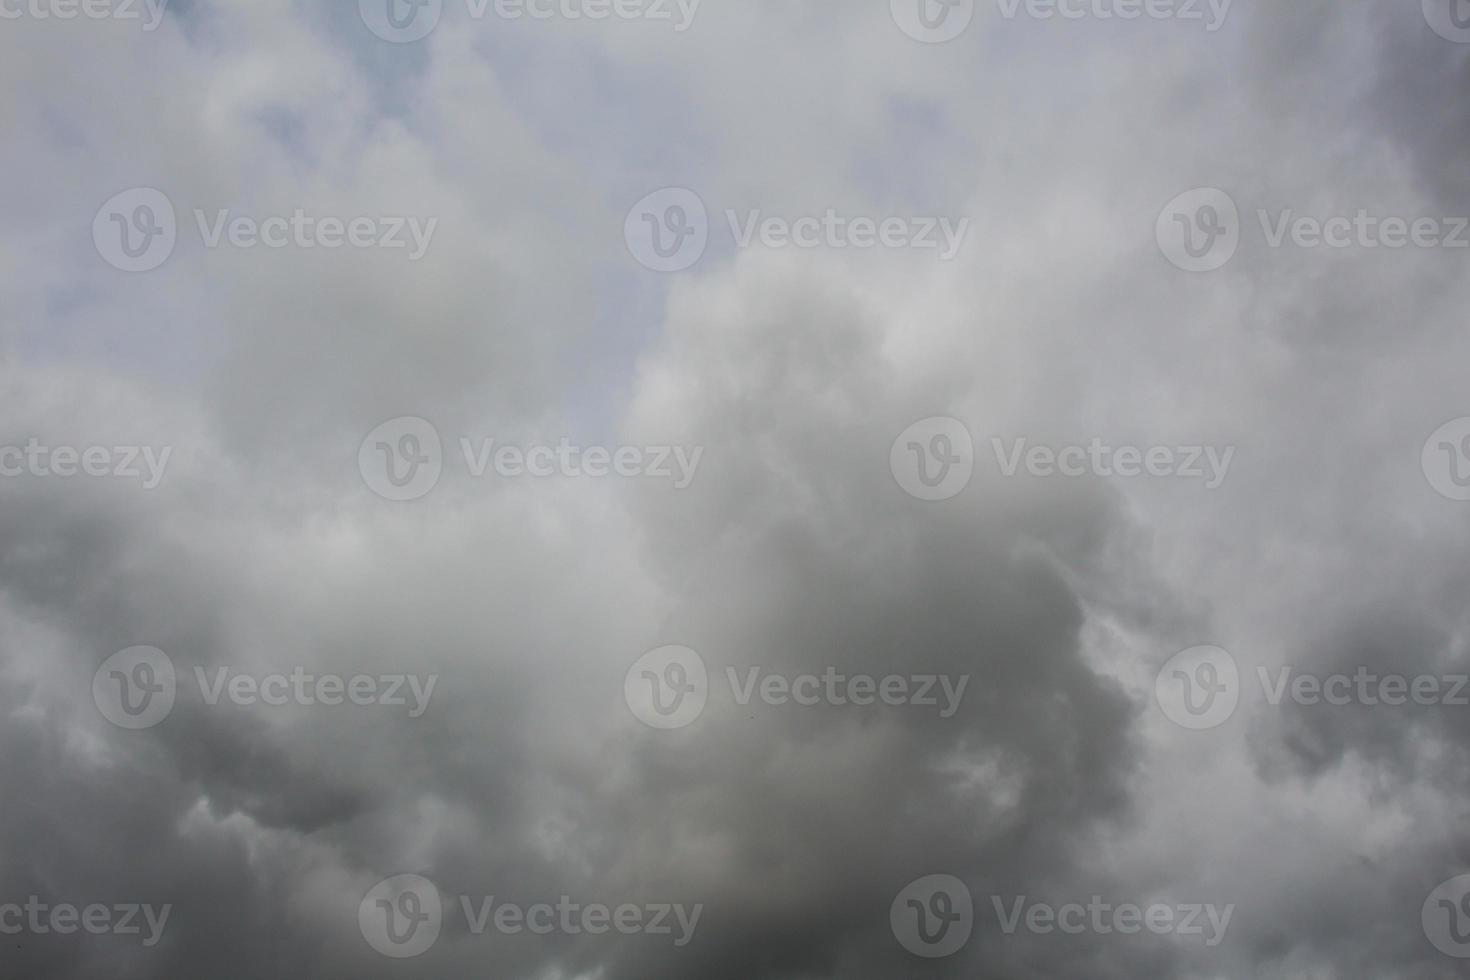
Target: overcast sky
{"type": "Point", "coordinates": [864, 489]}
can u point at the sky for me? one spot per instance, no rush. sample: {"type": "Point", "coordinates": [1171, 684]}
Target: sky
{"type": "Point", "coordinates": [638, 489]}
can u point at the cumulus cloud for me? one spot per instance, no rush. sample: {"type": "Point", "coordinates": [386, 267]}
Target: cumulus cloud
{"type": "Point", "coordinates": [483, 628]}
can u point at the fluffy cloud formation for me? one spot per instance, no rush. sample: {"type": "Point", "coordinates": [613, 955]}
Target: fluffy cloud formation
{"type": "Point", "coordinates": [251, 375]}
